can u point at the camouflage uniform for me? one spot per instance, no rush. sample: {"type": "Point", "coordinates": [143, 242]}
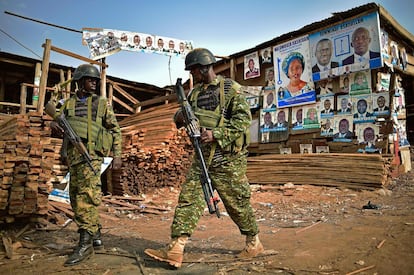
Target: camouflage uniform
{"type": "Point", "coordinates": [227, 169]}
{"type": "Point", "coordinates": [85, 186]}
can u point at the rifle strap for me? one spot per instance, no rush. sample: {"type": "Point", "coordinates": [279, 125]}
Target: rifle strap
{"type": "Point", "coordinates": [221, 121]}
{"type": "Point", "coordinates": [91, 145]}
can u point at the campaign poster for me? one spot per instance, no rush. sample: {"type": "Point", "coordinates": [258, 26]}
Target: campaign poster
{"type": "Point", "coordinates": [251, 66]}
{"type": "Point", "coordinates": [293, 81]}
{"type": "Point", "coordinates": [105, 42]}
{"type": "Point", "coordinates": [350, 46]}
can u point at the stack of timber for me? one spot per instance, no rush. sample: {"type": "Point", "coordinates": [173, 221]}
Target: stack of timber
{"type": "Point", "coordinates": [27, 158]}
{"type": "Point", "coordinates": [357, 171]}
{"type": "Point", "coordinates": [155, 153]}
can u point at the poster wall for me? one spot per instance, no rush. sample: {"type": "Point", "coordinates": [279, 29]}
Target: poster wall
{"type": "Point", "coordinates": [347, 47]}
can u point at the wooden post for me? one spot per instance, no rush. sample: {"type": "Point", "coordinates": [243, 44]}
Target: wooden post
{"type": "Point", "coordinates": [23, 97]}
{"type": "Point", "coordinates": [110, 93]}
{"type": "Point", "coordinates": [69, 86]}
{"type": "Point", "coordinates": [43, 77]}
{"type": "Point", "coordinates": [38, 73]}
{"type": "Point", "coordinates": [103, 79]}
{"type": "Point", "coordinates": [232, 71]}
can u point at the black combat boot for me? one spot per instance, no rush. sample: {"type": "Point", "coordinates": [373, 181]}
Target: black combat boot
{"type": "Point", "coordinates": [97, 241]}
{"type": "Point", "coordinates": [83, 251]}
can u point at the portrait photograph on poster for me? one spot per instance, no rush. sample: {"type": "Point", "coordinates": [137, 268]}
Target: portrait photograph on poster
{"type": "Point", "coordinates": [251, 66]}
{"type": "Point", "coordinates": [362, 111]}
{"type": "Point", "coordinates": [381, 104]}
{"type": "Point", "coordinates": [360, 83]}
{"type": "Point", "coordinates": [297, 118]}
{"type": "Point", "coordinates": [294, 84]}
{"type": "Point", "coordinates": [350, 46]}
{"type": "Point", "coordinates": [343, 131]}
{"type": "Point", "coordinates": [344, 104]}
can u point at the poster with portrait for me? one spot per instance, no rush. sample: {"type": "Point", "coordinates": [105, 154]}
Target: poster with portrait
{"type": "Point", "coordinates": [266, 55]}
{"type": "Point", "coordinates": [327, 127]}
{"type": "Point", "coordinates": [362, 111]}
{"type": "Point", "coordinates": [360, 83]}
{"type": "Point", "coordinates": [269, 100]}
{"type": "Point", "coordinates": [384, 44]}
{"type": "Point", "coordinates": [251, 66]}
{"type": "Point", "coordinates": [297, 118]}
{"type": "Point", "coordinates": [292, 73]}
{"type": "Point", "coordinates": [383, 82]}
{"type": "Point", "coordinates": [344, 84]}
{"type": "Point", "coordinates": [324, 87]}
{"type": "Point", "coordinates": [311, 120]}
{"type": "Point", "coordinates": [343, 104]}
{"type": "Point", "coordinates": [105, 42]}
{"type": "Point", "coordinates": [394, 53]}
{"type": "Point", "coordinates": [326, 106]}
{"type": "Point", "coordinates": [367, 135]}
{"type": "Point", "coordinates": [343, 131]}
{"type": "Point", "coordinates": [253, 94]}
{"type": "Point", "coordinates": [366, 132]}
{"type": "Point", "coordinates": [267, 122]}
{"type": "Point", "coordinates": [381, 104]}
{"type": "Point", "coordinates": [282, 118]}
{"type": "Point", "coordinates": [350, 46]}
{"type": "Point", "coordinates": [270, 78]}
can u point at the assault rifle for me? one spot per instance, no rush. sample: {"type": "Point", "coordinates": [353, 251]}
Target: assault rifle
{"type": "Point", "coordinates": [70, 134]}
{"type": "Point", "coordinates": [193, 130]}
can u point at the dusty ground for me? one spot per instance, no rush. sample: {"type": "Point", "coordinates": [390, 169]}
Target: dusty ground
{"type": "Point", "coordinates": [305, 230]}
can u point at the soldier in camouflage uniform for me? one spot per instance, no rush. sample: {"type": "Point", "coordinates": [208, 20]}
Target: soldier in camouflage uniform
{"type": "Point", "coordinates": [94, 121]}
{"type": "Point", "coordinates": [225, 118]}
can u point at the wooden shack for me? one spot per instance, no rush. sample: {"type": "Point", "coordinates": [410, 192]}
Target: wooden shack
{"type": "Point", "coordinates": [388, 75]}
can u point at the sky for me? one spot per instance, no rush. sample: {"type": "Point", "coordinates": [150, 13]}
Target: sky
{"type": "Point", "coordinates": [223, 26]}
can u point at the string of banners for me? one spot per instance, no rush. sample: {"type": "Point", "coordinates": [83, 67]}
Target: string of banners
{"type": "Point", "coordinates": [105, 42]}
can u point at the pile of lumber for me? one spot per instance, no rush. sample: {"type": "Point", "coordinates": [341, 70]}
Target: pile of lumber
{"type": "Point", "coordinates": [27, 158]}
{"type": "Point", "coordinates": [359, 171]}
{"type": "Point", "coordinates": [155, 153]}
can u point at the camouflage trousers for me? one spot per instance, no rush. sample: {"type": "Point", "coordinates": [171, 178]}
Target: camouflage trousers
{"type": "Point", "coordinates": [229, 179]}
{"type": "Point", "coordinates": [85, 195]}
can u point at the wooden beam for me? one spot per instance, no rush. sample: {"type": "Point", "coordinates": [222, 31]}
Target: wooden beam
{"type": "Point", "coordinates": [125, 93]}
{"type": "Point", "coordinates": [74, 55]}
{"type": "Point", "coordinates": [124, 105]}
{"type": "Point", "coordinates": [156, 100]}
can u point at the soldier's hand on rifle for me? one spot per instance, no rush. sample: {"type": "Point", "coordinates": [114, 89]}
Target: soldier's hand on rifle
{"type": "Point", "coordinates": [56, 129]}
{"type": "Point", "coordinates": [117, 163]}
{"type": "Point", "coordinates": [206, 135]}
{"type": "Point", "coordinates": [179, 119]}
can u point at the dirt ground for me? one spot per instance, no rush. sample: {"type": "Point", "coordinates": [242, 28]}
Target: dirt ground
{"type": "Point", "coordinates": [304, 229]}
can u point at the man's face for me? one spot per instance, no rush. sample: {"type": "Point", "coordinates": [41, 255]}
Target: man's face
{"type": "Point", "coordinates": [369, 135]}
{"type": "Point", "coordinates": [268, 118]}
{"type": "Point", "coordinates": [381, 101]}
{"type": "Point", "coordinates": [362, 106]}
{"type": "Point", "coordinates": [171, 44]}
{"type": "Point", "coordinates": [343, 126]}
{"type": "Point", "coordinates": [344, 103]}
{"type": "Point", "coordinates": [360, 41]}
{"type": "Point", "coordinates": [160, 43]}
{"type": "Point", "coordinates": [327, 104]}
{"type": "Point", "coordinates": [269, 99]}
{"type": "Point", "coordinates": [299, 115]}
{"type": "Point", "coordinates": [137, 40]}
{"type": "Point", "coordinates": [324, 52]}
{"type": "Point", "coordinates": [90, 84]}
{"type": "Point", "coordinates": [148, 41]}
{"type": "Point", "coordinates": [281, 117]}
